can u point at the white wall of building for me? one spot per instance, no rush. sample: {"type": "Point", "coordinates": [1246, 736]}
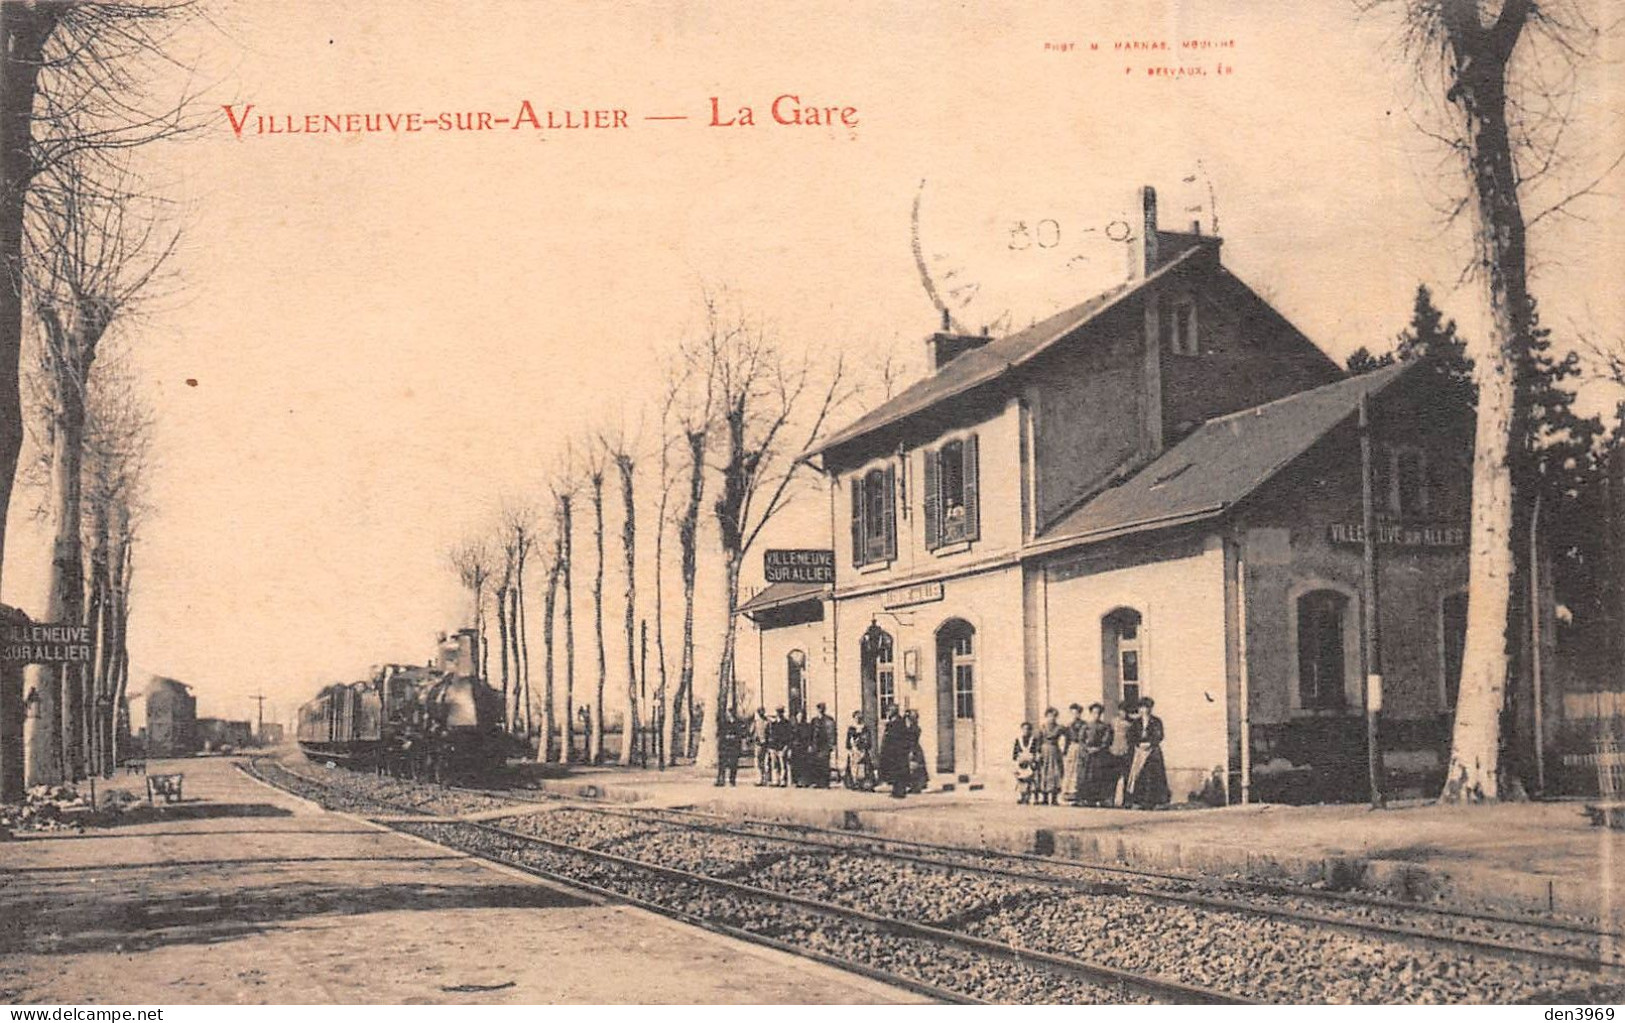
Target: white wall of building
{"type": "Point", "coordinates": [1183, 651]}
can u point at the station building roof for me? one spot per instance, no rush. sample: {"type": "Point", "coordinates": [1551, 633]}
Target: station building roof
{"type": "Point", "coordinates": [1218, 465]}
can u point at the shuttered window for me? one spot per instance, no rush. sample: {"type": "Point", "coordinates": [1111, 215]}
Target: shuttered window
{"type": "Point", "coordinates": [874, 517]}
{"type": "Point", "coordinates": [952, 505]}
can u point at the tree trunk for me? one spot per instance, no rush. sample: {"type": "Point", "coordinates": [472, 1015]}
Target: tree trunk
{"type": "Point", "coordinates": [596, 739]}
{"type": "Point", "coordinates": [23, 35]}
{"type": "Point", "coordinates": [688, 542]}
{"type": "Point", "coordinates": [518, 723]}
{"type": "Point", "coordinates": [662, 713]}
{"type": "Point", "coordinates": [119, 586]}
{"type": "Point", "coordinates": [545, 750]}
{"type": "Point", "coordinates": [57, 749]}
{"type": "Point", "coordinates": [502, 640]}
{"type": "Point", "coordinates": [522, 646]}
{"type": "Point", "coordinates": [1480, 58]}
{"type": "Point", "coordinates": [569, 632]}
{"type": "Point", "coordinates": [629, 544]}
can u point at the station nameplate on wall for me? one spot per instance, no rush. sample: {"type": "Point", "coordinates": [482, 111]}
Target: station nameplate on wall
{"type": "Point", "coordinates": [923, 593]}
{"type": "Point", "coordinates": [799, 566]}
{"type": "Point", "coordinates": [1398, 534]}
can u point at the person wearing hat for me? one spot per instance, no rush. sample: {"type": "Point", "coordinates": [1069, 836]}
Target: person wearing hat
{"type": "Point", "coordinates": [1147, 786]}
{"type": "Point", "coordinates": [1072, 775]}
{"type": "Point", "coordinates": [1097, 774]}
{"type": "Point", "coordinates": [1121, 753]}
{"type": "Point", "coordinates": [823, 747]}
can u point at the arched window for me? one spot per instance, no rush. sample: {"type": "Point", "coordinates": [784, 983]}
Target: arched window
{"type": "Point", "coordinates": [795, 676]}
{"type": "Point", "coordinates": [1322, 649]}
{"type": "Point", "coordinates": [1122, 646]}
{"type": "Point", "coordinates": [879, 675]}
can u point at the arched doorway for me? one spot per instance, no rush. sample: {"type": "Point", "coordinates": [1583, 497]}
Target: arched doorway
{"type": "Point", "coordinates": [956, 697]}
{"type": "Point", "coordinates": [879, 677]}
{"type": "Point", "coordinates": [1122, 652]}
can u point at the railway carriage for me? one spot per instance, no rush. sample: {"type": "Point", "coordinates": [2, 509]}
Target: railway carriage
{"type": "Point", "coordinates": [411, 721]}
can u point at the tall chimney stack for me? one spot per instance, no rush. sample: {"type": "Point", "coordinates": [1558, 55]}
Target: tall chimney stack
{"type": "Point", "coordinates": [1148, 231]}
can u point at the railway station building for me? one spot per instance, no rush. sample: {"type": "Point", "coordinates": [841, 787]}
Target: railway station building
{"type": "Point", "coordinates": [1155, 493]}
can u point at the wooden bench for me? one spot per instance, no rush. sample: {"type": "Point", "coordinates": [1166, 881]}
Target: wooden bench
{"type": "Point", "coordinates": [135, 765]}
{"type": "Point", "coordinates": [166, 785]}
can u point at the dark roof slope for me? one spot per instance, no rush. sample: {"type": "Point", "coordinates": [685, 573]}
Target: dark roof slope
{"type": "Point", "coordinates": [992, 360]}
{"type": "Point", "coordinates": [1220, 464]}
{"type": "Point", "coordinates": [779, 594]}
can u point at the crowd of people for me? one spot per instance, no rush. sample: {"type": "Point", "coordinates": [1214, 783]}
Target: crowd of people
{"type": "Point", "coordinates": [1092, 761]}
{"type": "Point", "coordinates": [1085, 762]}
{"type": "Point", "coordinates": [797, 750]}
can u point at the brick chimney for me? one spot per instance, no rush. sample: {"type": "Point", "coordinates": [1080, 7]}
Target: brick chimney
{"type": "Point", "coordinates": [946, 346]}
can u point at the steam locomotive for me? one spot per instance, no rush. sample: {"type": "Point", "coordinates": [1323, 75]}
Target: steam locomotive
{"type": "Point", "coordinates": [411, 721]}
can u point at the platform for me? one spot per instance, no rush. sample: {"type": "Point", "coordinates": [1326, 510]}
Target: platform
{"type": "Point", "coordinates": [241, 893]}
{"type": "Point", "coordinates": [1530, 857]}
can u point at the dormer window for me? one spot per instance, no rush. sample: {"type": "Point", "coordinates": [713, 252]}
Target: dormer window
{"type": "Point", "coordinates": [1409, 498]}
{"type": "Point", "coordinates": [952, 504]}
{"type": "Point", "coordinates": [1178, 326]}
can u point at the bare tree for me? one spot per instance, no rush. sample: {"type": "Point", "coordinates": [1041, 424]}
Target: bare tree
{"type": "Point", "coordinates": [1507, 71]}
{"type": "Point", "coordinates": [593, 468]}
{"type": "Point", "coordinates": [555, 570]}
{"type": "Point", "coordinates": [471, 559]}
{"type": "Point", "coordinates": [691, 402]}
{"type": "Point", "coordinates": [619, 449]}
{"type": "Point", "coordinates": [665, 472]}
{"type": "Point", "coordinates": [518, 541]}
{"type": "Point", "coordinates": [72, 91]}
{"type": "Point", "coordinates": [92, 253]}
{"type": "Point", "coordinates": [116, 456]}
{"type": "Point", "coordinates": [564, 489]}
{"type": "Point", "coordinates": [770, 407]}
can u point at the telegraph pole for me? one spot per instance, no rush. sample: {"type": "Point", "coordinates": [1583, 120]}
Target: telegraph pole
{"type": "Point", "coordinates": [259, 727]}
{"type": "Point", "coordinates": [1372, 615]}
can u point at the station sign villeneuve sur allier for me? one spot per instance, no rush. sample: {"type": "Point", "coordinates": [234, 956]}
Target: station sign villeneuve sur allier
{"type": "Point", "coordinates": [46, 643]}
{"type": "Point", "coordinates": [799, 566]}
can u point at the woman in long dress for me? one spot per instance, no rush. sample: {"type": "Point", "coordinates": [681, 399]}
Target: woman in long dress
{"type": "Point", "coordinates": [1097, 777]}
{"type": "Point", "coordinates": [1052, 740]}
{"type": "Point", "coordinates": [1147, 776]}
{"type": "Point", "coordinates": [1072, 779]}
{"type": "Point", "coordinates": [860, 760]}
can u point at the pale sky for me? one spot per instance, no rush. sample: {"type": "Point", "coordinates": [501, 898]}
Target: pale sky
{"type": "Point", "coordinates": [390, 331]}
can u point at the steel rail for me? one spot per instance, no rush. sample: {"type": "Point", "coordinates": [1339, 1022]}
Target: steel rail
{"type": "Point", "coordinates": [871, 845]}
{"type": "Point", "coordinates": [1098, 974]}
{"type": "Point", "coordinates": [670, 912]}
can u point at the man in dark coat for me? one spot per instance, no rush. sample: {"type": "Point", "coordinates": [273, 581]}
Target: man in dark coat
{"type": "Point", "coordinates": [801, 741]}
{"type": "Point", "coordinates": [729, 746]}
{"type": "Point", "coordinates": [895, 745]}
{"type": "Point", "coordinates": [824, 737]}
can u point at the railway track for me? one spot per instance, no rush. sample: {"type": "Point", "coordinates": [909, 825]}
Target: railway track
{"type": "Point", "coordinates": [937, 962]}
{"type": "Point", "coordinates": [1031, 906]}
{"type": "Point", "coordinates": [1565, 943]}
